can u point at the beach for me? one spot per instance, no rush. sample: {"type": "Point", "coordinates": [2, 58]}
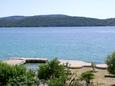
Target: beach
{"type": "Point", "coordinates": [76, 67]}
{"type": "Point", "coordinates": [99, 78]}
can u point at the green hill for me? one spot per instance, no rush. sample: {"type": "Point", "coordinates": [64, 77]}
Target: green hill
{"type": "Point", "coordinates": [53, 21]}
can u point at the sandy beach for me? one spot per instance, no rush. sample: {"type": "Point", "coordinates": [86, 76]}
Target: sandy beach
{"type": "Point", "coordinates": [78, 67]}
{"type": "Point", "coordinates": [99, 79]}
{"type": "Point", "coordinates": [80, 64]}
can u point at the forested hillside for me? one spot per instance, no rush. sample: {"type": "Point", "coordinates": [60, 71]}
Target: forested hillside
{"type": "Point", "coordinates": [53, 21]}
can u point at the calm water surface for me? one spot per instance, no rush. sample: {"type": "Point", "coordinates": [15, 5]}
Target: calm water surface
{"type": "Point", "coordinates": [76, 43]}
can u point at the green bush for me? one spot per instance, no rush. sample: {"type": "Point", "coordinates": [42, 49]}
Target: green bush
{"type": "Point", "coordinates": [52, 69]}
{"type": "Point", "coordinates": [57, 82]}
{"type": "Point", "coordinates": [16, 75]}
{"type": "Point", "coordinates": [87, 77]}
{"type": "Point", "coordinates": [111, 63]}
{"type": "Point", "coordinates": [53, 73]}
{"type": "Point", "coordinates": [5, 74]}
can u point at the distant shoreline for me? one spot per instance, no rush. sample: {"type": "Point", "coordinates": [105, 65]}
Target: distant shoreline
{"type": "Point", "coordinates": [54, 26]}
{"type": "Point", "coordinates": [54, 21]}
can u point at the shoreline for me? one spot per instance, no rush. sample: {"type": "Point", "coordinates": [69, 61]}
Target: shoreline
{"type": "Point", "coordinates": [76, 67]}
{"type": "Point", "coordinates": [73, 64]}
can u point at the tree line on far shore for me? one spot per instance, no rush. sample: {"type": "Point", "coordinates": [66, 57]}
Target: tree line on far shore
{"type": "Point", "coordinates": [53, 21]}
{"type": "Point", "coordinates": [51, 73]}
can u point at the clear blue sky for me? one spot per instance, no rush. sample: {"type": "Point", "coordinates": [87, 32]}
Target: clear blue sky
{"type": "Point", "coordinates": [87, 8]}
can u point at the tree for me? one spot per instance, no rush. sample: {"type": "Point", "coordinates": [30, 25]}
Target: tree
{"type": "Point", "coordinates": [87, 77]}
{"type": "Point", "coordinates": [53, 71]}
{"type": "Point", "coordinates": [111, 63]}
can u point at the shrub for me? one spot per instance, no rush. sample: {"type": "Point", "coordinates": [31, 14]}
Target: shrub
{"type": "Point", "coordinates": [15, 75]}
{"type": "Point", "coordinates": [57, 82]}
{"type": "Point", "coordinates": [111, 63]}
{"type": "Point", "coordinates": [53, 73]}
{"type": "Point", "coordinates": [52, 69]}
{"type": "Point", "coordinates": [87, 77]}
{"type": "Point", "coordinates": [5, 74]}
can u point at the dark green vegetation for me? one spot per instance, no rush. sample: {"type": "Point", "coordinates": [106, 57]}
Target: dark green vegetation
{"type": "Point", "coordinates": [87, 77]}
{"type": "Point", "coordinates": [51, 70]}
{"type": "Point", "coordinates": [53, 21]}
{"type": "Point", "coordinates": [51, 74]}
{"type": "Point", "coordinates": [111, 63]}
{"type": "Point", "coordinates": [16, 75]}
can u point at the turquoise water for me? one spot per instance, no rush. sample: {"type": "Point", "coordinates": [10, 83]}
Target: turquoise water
{"type": "Point", "coordinates": [76, 43]}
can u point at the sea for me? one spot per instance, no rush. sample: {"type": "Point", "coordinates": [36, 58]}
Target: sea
{"type": "Point", "coordinates": [91, 44]}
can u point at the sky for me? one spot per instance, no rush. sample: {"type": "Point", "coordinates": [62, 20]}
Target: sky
{"type": "Point", "coordinates": [87, 8]}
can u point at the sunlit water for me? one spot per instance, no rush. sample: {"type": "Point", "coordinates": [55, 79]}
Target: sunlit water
{"type": "Point", "coordinates": [77, 43]}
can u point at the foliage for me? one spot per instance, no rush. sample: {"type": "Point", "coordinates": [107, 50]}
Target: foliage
{"type": "Point", "coordinates": [26, 78]}
{"type": "Point", "coordinates": [54, 73]}
{"type": "Point", "coordinates": [52, 69]}
{"type": "Point", "coordinates": [87, 77]}
{"type": "Point", "coordinates": [111, 63]}
{"type": "Point", "coordinates": [57, 82]}
{"type": "Point", "coordinates": [5, 74]}
{"type": "Point", "coordinates": [15, 75]}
